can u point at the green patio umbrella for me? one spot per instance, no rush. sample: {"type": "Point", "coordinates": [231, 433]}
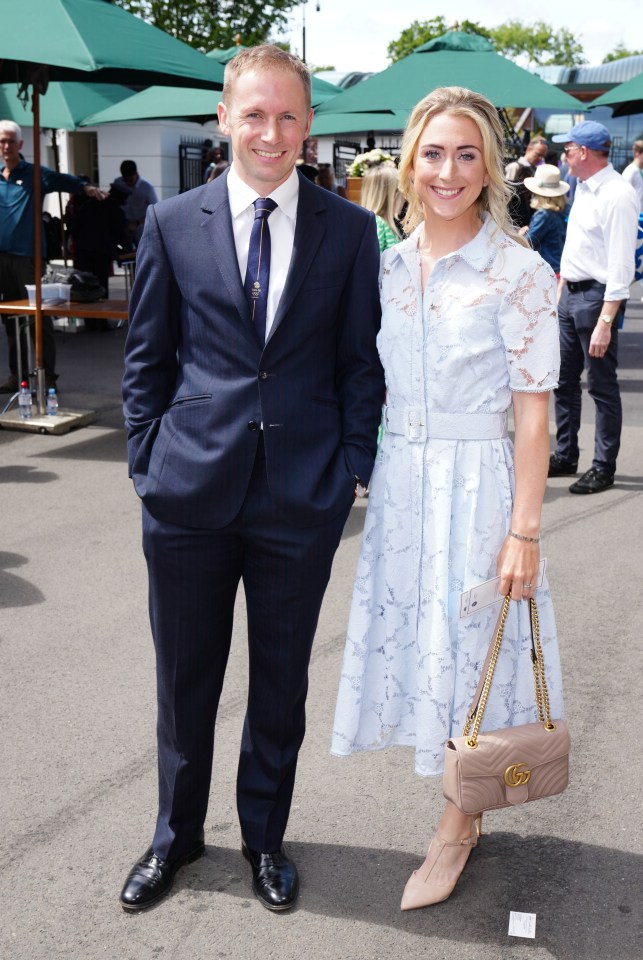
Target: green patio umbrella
{"type": "Point", "coordinates": [389, 121]}
{"type": "Point", "coordinates": [455, 59]}
{"type": "Point", "coordinates": [159, 103]}
{"type": "Point", "coordinates": [45, 40]}
{"type": "Point", "coordinates": [625, 99]}
{"type": "Point", "coordinates": [164, 103]}
{"type": "Point", "coordinates": [64, 105]}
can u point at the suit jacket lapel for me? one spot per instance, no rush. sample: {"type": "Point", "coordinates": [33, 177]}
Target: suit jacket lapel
{"type": "Point", "coordinates": [217, 224]}
{"type": "Point", "coordinates": [309, 232]}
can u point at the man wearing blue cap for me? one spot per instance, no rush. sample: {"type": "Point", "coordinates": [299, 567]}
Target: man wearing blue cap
{"type": "Point", "coordinates": [597, 268]}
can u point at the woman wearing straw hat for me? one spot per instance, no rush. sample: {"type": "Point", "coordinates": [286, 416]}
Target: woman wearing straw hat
{"type": "Point", "coordinates": [546, 231]}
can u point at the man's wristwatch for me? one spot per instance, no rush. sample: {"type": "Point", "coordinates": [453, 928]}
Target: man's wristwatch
{"type": "Point", "coordinates": [605, 317]}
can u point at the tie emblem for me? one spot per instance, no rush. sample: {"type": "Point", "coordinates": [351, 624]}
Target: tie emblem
{"type": "Point", "coordinates": [258, 270]}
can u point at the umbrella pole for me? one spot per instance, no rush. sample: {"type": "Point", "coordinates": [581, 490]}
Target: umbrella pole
{"type": "Point", "coordinates": [37, 252]}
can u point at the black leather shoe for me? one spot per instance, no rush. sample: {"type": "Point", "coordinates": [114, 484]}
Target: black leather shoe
{"type": "Point", "coordinates": [561, 468]}
{"type": "Point", "coordinates": [275, 881]}
{"type": "Point", "coordinates": [151, 878]}
{"type": "Point", "coordinates": [592, 481]}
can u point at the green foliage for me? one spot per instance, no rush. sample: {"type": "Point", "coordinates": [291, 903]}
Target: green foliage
{"type": "Point", "coordinates": [319, 69]}
{"type": "Point", "coordinates": [421, 31]}
{"type": "Point", "coordinates": [619, 52]}
{"type": "Point", "coordinates": [206, 24]}
{"type": "Point", "coordinates": [537, 44]}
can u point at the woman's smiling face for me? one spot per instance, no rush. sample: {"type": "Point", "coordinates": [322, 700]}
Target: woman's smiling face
{"type": "Point", "coordinates": [449, 170]}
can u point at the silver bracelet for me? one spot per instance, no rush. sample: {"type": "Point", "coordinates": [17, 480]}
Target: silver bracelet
{"type": "Point", "coordinates": [520, 536]}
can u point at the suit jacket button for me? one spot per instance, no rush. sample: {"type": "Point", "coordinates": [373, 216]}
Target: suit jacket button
{"type": "Point", "coordinates": [253, 425]}
{"type": "Point", "coordinates": [263, 375]}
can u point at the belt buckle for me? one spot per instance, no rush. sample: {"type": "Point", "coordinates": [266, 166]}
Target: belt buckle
{"type": "Point", "coordinates": [414, 425]}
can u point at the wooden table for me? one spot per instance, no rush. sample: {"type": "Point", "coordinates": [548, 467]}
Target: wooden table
{"type": "Point", "coordinates": [66, 420]}
{"type": "Point", "coordinates": [100, 310]}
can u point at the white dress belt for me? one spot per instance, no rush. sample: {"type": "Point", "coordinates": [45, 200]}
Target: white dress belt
{"type": "Point", "coordinates": [418, 425]}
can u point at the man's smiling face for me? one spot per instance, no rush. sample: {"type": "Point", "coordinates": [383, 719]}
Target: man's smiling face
{"type": "Point", "coordinates": [267, 118]}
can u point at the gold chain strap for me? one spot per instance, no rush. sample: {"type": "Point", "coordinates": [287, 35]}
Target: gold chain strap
{"type": "Point", "coordinates": [540, 684]}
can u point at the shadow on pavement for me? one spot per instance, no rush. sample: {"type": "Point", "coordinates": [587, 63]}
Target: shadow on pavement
{"type": "Point", "coordinates": [16, 474]}
{"type": "Point", "coordinates": [585, 897]}
{"type": "Point", "coordinates": [16, 591]}
{"type": "Point", "coordinates": [110, 447]}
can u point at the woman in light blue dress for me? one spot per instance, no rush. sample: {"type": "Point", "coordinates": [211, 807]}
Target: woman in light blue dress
{"type": "Point", "coordinates": [469, 334]}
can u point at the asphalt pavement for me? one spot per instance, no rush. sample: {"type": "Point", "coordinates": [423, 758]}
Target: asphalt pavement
{"type": "Point", "coordinates": [77, 751]}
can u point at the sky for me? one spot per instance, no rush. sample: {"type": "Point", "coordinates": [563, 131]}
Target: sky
{"type": "Point", "coordinates": [354, 34]}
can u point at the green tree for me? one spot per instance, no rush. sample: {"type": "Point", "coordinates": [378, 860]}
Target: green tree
{"type": "Point", "coordinates": [205, 24]}
{"type": "Point", "coordinates": [619, 52]}
{"type": "Point", "coordinates": [421, 31]}
{"type": "Point", "coordinates": [537, 44]}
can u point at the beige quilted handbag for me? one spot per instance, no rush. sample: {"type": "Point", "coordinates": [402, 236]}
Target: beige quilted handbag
{"type": "Point", "coordinates": [511, 766]}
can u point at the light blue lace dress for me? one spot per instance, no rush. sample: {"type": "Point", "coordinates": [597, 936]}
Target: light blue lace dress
{"type": "Point", "coordinates": [440, 506]}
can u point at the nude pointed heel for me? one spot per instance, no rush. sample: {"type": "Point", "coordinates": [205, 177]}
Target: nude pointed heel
{"type": "Point", "coordinates": [478, 825]}
{"type": "Point", "coordinates": [438, 875]}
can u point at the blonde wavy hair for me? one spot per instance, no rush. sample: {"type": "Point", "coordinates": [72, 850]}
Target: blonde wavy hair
{"type": "Point", "coordinates": [494, 198]}
{"type": "Point", "coordinates": [557, 204]}
{"type": "Point", "coordinates": [380, 193]}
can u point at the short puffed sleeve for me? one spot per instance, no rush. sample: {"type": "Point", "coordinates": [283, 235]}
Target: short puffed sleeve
{"type": "Point", "coordinates": [528, 321]}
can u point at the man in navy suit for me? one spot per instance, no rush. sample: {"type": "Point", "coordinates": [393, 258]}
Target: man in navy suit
{"type": "Point", "coordinates": [247, 446]}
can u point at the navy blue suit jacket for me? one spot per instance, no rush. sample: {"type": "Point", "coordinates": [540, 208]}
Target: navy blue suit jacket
{"type": "Point", "coordinates": [197, 378]}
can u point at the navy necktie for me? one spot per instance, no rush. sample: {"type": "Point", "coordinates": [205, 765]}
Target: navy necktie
{"type": "Point", "coordinates": [258, 271]}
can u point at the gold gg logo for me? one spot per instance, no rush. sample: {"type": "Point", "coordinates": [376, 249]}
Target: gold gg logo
{"type": "Point", "coordinates": [515, 777]}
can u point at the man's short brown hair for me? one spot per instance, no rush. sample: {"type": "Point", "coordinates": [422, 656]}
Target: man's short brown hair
{"type": "Point", "coordinates": [265, 57]}
{"type": "Point", "coordinates": [637, 146]}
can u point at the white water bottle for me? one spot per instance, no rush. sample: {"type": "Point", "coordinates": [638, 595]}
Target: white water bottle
{"type": "Point", "coordinates": [52, 402]}
{"type": "Point", "coordinates": [24, 401]}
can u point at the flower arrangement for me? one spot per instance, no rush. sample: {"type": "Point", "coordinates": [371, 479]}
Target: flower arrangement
{"type": "Point", "coordinates": [364, 162]}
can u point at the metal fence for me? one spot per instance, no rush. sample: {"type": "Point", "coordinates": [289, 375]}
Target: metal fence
{"type": "Point", "coordinates": [192, 163]}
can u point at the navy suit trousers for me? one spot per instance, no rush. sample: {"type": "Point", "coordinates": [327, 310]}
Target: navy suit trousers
{"type": "Point", "coordinates": [193, 580]}
{"type": "Point", "coordinates": [577, 315]}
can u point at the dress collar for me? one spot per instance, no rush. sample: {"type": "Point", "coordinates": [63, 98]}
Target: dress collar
{"type": "Point", "coordinates": [478, 252]}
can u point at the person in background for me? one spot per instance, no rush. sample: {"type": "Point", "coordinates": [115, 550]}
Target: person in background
{"type": "Point", "coordinates": [380, 194]}
{"type": "Point", "coordinates": [633, 173]}
{"type": "Point", "coordinates": [597, 268]}
{"type": "Point", "coordinates": [17, 243]}
{"type": "Point", "coordinates": [213, 157]}
{"type": "Point", "coordinates": [141, 195]}
{"type": "Point", "coordinates": [469, 333]}
{"type": "Point", "coordinates": [99, 234]}
{"type": "Point", "coordinates": [308, 170]}
{"type": "Point", "coordinates": [547, 228]}
{"type": "Point", "coordinates": [326, 179]}
{"type": "Point", "coordinates": [217, 170]}
{"type": "Point", "coordinates": [516, 172]}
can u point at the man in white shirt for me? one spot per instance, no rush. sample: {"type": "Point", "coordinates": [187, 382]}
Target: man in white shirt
{"type": "Point", "coordinates": [252, 410]}
{"type": "Point", "coordinates": [597, 267]}
{"type": "Point", "coordinates": [633, 173]}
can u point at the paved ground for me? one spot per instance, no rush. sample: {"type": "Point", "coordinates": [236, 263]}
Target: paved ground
{"type": "Point", "coordinates": [77, 754]}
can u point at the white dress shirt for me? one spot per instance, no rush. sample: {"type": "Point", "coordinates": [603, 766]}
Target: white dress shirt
{"type": "Point", "coordinates": [601, 233]}
{"type": "Point", "coordinates": [281, 222]}
{"type": "Point", "coordinates": [633, 174]}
